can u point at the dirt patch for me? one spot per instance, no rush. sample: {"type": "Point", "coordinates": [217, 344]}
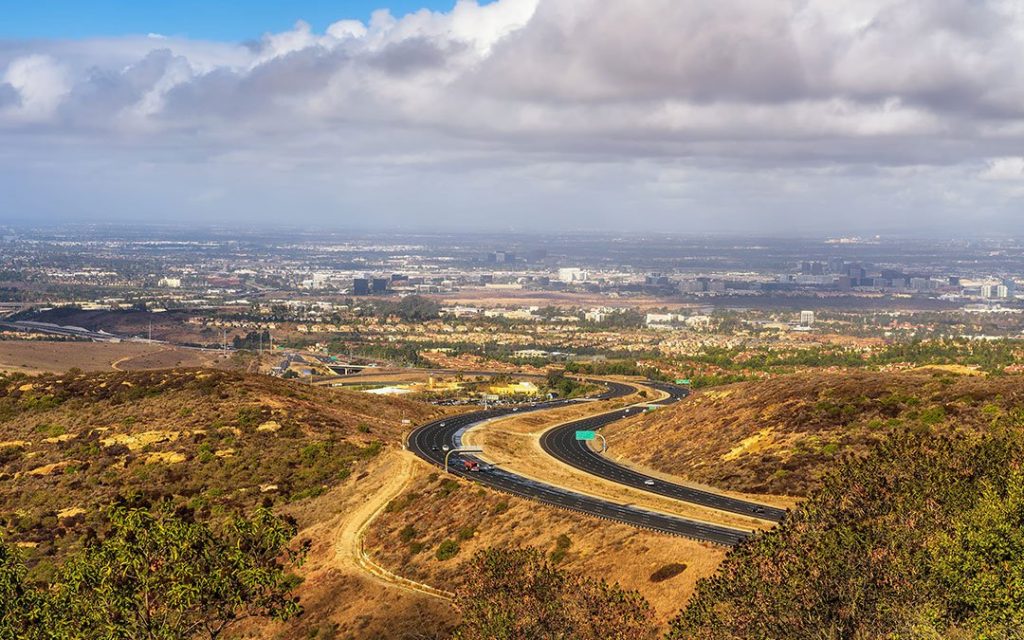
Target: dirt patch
{"type": "Point", "coordinates": [40, 356]}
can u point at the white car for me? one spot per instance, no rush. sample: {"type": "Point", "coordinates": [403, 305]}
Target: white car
{"type": "Point", "coordinates": [649, 482]}
{"type": "Point", "coordinates": [444, 447]}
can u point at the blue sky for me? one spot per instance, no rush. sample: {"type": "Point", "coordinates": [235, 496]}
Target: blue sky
{"type": "Point", "coordinates": [198, 19]}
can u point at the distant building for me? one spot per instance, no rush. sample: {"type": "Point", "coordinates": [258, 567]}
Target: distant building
{"type": "Point", "coordinates": [530, 354]}
{"type": "Point", "coordinates": [570, 275]}
{"type": "Point", "coordinates": [360, 287]}
{"type": "Point", "coordinates": [170, 283]}
{"type": "Point", "coordinates": [807, 318]}
{"type": "Point", "coordinates": [379, 285]}
{"type": "Point", "coordinates": [920, 284]}
{"type": "Point", "coordinates": [1011, 288]}
{"type": "Point", "coordinates": [990, 291]}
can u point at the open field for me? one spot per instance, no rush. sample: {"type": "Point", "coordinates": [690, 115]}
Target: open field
{"type": "Point", "coordinates": [42, 356]}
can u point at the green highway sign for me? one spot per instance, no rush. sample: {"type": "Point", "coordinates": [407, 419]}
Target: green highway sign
{"type": "Point", "coordinates": [586, 435]}
{"type": "Point", "coordinates": [683, 381]}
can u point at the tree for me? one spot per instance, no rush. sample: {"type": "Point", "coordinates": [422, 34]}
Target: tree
{"type": "Point", "coordinates": [514, 594]}
{"type": "Point", "coordinates": [22, 607]}
{"type": "Point", "coordinates": [157, 575]}
{"type": "Point", "coordinates": [920, 539]}
{"type": "Point", "coordinates": [980, 564]}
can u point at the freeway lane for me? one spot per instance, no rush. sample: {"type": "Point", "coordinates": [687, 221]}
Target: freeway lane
{"type": "Point", "coordinates": [561, 444]}
{"type": "Point", "coordinates": [429, 441]}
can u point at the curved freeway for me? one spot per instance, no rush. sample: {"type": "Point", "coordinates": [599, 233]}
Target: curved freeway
{"type": "Point", "coordinates": [561, 443]}
{"type": "Point", "coordinates": [431, 442]}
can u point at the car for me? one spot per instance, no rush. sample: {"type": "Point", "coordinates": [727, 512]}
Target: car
{"type": "Point", "coordinates": [444, 447]}
{"type": "Point", "coordinates": [442, 424]}
{"type": "Point", "coordinates": [434, 448]}
{"type": "Point", "coordinates": [649, 482]}
{"type": "Point", "coordinates": [758, 509]}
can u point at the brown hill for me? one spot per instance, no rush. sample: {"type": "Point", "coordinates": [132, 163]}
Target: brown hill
{"type": "Point", "coordinates": [780, 435]}
{"type": "Point", "coordinates": [430, 530]}
{"type": "Point", "coordinates": [211, 440]}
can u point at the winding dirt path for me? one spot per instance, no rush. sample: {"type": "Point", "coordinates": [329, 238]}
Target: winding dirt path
{"type": "Point", "coordinates": [350, 550]}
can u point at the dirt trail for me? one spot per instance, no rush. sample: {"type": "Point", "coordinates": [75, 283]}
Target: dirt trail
{"type": "Point", "coordinates": [350, 550]}
{"type": "Point", "coordinates": [345, 592]}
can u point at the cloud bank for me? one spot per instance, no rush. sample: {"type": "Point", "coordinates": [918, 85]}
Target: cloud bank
{"type": "Point", "coordinates": [703, 115]}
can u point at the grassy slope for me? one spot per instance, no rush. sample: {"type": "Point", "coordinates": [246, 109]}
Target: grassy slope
{"type": "Point", "coordinates": [213, 440]}
{"type": "Point", "coordinates": [781, 435]}
{"type": "Point", "coordinates": [407, 536]}
{"type": "Point", "coordinates": [922, 538]}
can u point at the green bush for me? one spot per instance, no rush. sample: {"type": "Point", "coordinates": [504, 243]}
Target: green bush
{"type": "Point", "coordinates": [447, 550]}
{"type": "Point", "coordinates": [408, 533]}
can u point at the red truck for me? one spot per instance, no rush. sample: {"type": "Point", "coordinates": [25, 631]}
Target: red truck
{"type": "Point", "coordinates": [471, 465]}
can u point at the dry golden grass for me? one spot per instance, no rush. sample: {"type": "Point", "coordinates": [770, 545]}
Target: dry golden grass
{"type": "Point", "coordinates": [778, 436]}
{"type": "Point", "coordinates": [197, 437]}
{"type": "Point", "coordinates": [39, 356]}
{"type": "Point", "coordinates": [438, 509]}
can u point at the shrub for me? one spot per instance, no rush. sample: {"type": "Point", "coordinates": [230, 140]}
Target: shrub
{"type": "Point", "coordinates": [447, 550]}
{"type": "Point", "coordinates": [518, 593]}
{"type": "Point", "coordinates": [408, 533]}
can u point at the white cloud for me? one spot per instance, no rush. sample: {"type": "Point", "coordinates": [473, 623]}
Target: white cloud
{"type": "Point", "coordinates": [40, 82]}
{"type": "Point", "coordinates": [1005, 169]}
{"type": "Point", "coordinates": [699, 88]}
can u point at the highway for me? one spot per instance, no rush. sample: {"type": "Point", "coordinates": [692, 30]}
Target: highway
{"type": "Point", "coordinates": [430, 441]}
{"type": "Point", "coordinates": [561, 443]}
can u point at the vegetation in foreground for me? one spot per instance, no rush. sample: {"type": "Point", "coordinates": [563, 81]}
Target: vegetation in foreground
{"type": "Point", "coordinates": [924, 539]}
{"type": "Point", "coordinates": [211, 441]}
{"type": "Point", "coordinates": [921, 539]}
{"type": "Point", "coordinates": [782, 435]}
{"type": "Point", "coordinates": [156, 575]}
{"type": "Point", "coordinates": [509, 594]}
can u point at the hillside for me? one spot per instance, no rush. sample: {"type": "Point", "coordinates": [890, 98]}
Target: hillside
{"type": "Point", "coordinates": [429, 531]}
{"type": "Point", "coordinates": [780, 435]}
{"type": "Point", "coordinates": [920, 539]}
{"type": "Point", "coordinates": [211, 440]}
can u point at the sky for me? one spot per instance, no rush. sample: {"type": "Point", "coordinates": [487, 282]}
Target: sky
{"type": "Point", "coordinates": [784, 117]}
{"type": "Point", "coordinates": [238, 20]}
